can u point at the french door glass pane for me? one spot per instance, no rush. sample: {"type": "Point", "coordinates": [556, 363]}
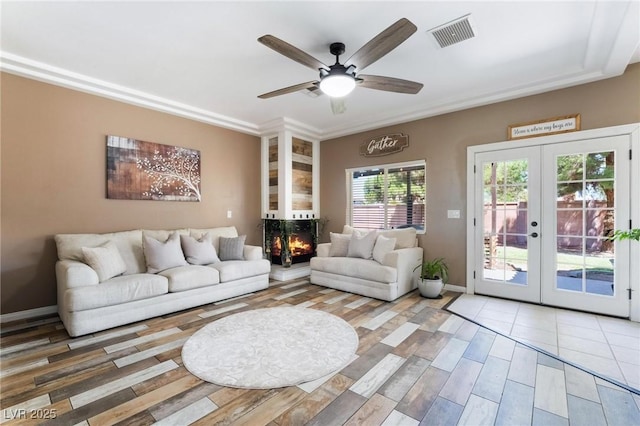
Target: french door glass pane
{"type": "Point", "coordinates": [505, 194]}
{"type": "Point", "coordinates": [570, 222]}
{"type": "Point", "coordinates": [600, 165]}
{"type": "Point", "coordinates": [570, 168]}
{"type": "Point", "coordinates": [585, 216]}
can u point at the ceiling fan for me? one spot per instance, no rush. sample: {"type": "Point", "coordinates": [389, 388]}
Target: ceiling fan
{"type": "Point", "coordinates": [338, 80]}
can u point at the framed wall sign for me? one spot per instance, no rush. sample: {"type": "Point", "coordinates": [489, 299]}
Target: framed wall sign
{"type": "Point", "coordinates": [550, 126]}
{"type": "Point", "coordinates": [384, 145]}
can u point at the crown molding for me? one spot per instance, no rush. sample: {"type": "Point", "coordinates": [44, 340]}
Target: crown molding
{"type": "Point", "coordinates": [480, 99]}
{"type": "Point", "coordinates": [296, 127]}
{"type": "Point", "coordinates": [35, 70]}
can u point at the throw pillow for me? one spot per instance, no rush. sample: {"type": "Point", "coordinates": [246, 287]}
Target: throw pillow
{"type": "Point", "coordinates": [232, 248]}
{"type": "Point", "coordinates": [383, 246]}
{"type": "Point", "coordinates": [105, 260]}
{"type": "Point", "coordinates": [199, 251]}
{"type": "Point", "coordinates": [361, 245]}
{"type": "Point", "coordinates": [339, 244]}
{"type": "Point", "coordinates": [162, 255]}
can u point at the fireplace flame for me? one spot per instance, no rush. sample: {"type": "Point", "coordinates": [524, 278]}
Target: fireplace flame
{"type": "Point", "coordinates": [297, 246]}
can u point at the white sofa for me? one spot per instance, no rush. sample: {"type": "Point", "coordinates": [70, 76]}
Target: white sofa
{"type": "Point", "coordinates": [86, 305]}
{"type": "Point", "coordinates": [386, 274]}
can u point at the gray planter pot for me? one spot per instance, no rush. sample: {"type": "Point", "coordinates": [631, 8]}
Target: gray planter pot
{"type": "Point", "coordinates": [430, 288]}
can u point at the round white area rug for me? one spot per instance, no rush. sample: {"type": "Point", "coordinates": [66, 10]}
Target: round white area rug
{"type": "Point", "coordinates": [270, 348]}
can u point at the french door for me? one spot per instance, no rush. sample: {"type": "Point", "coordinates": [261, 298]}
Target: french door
{"type": "Point", "coordinates": [543, 216]}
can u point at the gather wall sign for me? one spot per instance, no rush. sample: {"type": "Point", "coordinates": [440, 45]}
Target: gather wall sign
{"type": "Point", "coordinates": [384, 145]}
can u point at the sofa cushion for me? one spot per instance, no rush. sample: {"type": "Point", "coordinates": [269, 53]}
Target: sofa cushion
{"type": "Point", "coordinates": [118, 290]}
{"type": "Point", "coordinates": [383, 246]}
{"type": "Point", "coordinates": [105, 260]}
{"type": "Point", "coordinates": [232, 248]}
{"type": "Point", "coordinates": [361, 244]}
{"type": "Point", "coordinates": [129, 245]}
{"type": "Point", "coordinates": [339, 244]}
{"type": "Point", "coordinates": [187, 277]}
{"type": "Point", "coordinates": [232, 270]}
{"type": "Point", "coordinates": [161, 255]}
{"type": "Point", "coordinates": [199, 251]}
{"type": "Point", "coordinates": [355, 267]}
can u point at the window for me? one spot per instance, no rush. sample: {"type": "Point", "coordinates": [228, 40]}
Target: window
{"type": "Point", "coordinates": [387, 196]}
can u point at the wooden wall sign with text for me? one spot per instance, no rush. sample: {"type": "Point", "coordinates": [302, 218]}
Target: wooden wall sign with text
{"type": "Point", "coordinates": [550, 126]}
{"type": "Point", "coordinates": [384, 145]}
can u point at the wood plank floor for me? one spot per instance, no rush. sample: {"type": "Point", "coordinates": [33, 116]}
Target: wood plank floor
{"type": "Point", "coordinates": [416, 364]}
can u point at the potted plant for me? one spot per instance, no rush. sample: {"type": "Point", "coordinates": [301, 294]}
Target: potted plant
{"type": "Point", "coordinates": [433, 275]}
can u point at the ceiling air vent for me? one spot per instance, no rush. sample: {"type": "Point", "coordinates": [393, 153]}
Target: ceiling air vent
{"type": "Point", "coordinates": [453, 32]}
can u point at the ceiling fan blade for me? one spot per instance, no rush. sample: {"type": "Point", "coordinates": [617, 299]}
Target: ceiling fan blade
{"type": "Point", "coordinates": [289, 89]}
{"type": "Point", "coordinates": [389, 84]}
{"type": "Point", "coordinates": [291, 52]}
{"type": "Point", "coordinates": [382, 44]}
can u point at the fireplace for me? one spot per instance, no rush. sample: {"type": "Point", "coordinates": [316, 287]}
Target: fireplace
{"type": "Point", "coordinates": [289, 239]}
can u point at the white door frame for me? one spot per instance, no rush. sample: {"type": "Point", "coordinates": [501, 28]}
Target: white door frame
{"type": "Point", "coordinates": [632, 130]}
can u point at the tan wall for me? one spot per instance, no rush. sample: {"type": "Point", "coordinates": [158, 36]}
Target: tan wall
{"type": "Point", "coordinates": [54, 179]}
{"type": "Point", "coordinates": [443, 141]}
{"type": "Point", "coordinates": [53, 170]}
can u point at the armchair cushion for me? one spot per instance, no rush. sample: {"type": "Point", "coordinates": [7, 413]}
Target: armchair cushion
{"type": "Point", "coordinates": [383, 246]}
{"type": "Point", "coordinates": [358, 268]}
{"type": "Point", "coordinates": [405, 237]}
{"type": "Point", "coordinates": [361, 244]}
{"type": "Point", "coordinates": [339, 244]}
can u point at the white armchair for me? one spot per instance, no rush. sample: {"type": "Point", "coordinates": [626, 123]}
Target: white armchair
{"type": "Point", "coordinates": [386, 280]}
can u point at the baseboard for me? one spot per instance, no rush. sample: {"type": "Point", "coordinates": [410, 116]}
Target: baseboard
{"type": "Point", "coordinates": [31, 313]}
{"type": "Point", "coordinates": [456, 288]}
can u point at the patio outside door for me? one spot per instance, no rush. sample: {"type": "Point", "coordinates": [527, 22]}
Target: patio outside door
{"type": "Point", "coordinates": [508, 224]}
{"type": "Point", "coordinates": [543, 214]}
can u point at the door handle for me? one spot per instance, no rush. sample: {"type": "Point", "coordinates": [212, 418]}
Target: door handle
{"type": "Point", "coordinates": [534, 234]}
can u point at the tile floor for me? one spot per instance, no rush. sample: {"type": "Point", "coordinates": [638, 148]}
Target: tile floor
{"type": "Point", "coordinates": [605, 345]}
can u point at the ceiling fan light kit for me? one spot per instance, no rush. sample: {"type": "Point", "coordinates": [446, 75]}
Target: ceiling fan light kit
{"type": "Point", "coordinates": [337, 82]}
{"type": "Point", "coordinates": [337, 85]}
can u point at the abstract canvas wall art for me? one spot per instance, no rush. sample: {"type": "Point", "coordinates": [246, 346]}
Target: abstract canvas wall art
{"type": "Point", "coordinates": [139, 170]}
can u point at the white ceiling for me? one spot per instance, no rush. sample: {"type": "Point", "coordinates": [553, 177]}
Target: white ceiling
{"type": "Point", "coordinates": [201, 59]}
